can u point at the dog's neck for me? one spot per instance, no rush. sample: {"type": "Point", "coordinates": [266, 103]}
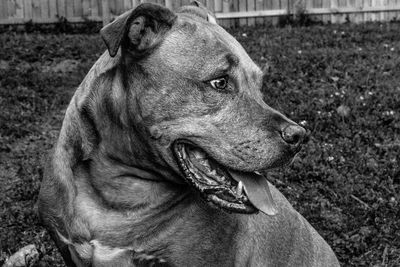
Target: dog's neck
{"type": "Point", "coordinates": [108, 119]}
{"type": "Point", "coordinates": [126, 175]}
{"type": "Point", "coordinates": [124, 170]}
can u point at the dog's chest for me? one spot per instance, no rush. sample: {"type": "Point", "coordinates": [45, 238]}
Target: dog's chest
{"type": "Point", "coordinates": [102, 255]}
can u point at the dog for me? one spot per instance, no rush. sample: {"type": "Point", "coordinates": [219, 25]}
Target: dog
{"type": "Point", "coordinates": [159, 156]}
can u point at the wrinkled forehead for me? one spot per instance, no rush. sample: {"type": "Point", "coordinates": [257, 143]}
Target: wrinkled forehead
{"type": "Point", "coordinates": [195, 42]}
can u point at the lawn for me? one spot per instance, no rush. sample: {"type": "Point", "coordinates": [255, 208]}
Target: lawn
{"type": "Point", "coordinates": [341, 81]}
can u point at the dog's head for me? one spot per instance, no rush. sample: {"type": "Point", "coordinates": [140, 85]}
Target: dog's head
{"type": "Point", "coordinates": [195, 91]}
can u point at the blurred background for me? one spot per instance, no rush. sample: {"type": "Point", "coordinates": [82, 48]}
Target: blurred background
{"type": "Point", "coordinates": [229, 12]}
{"type": "Point", "coordinates": [332, 66]}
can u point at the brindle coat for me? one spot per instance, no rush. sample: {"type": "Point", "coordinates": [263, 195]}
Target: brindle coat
{"type": "Point", "coordinates": [113, 194]}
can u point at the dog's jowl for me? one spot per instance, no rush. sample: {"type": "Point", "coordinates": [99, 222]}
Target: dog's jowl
{"type": "Point", "coordinates": [159, 157]}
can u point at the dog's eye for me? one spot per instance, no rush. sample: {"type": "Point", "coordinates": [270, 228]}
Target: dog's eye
{"type": "Point", "coordinates": [220, 83]}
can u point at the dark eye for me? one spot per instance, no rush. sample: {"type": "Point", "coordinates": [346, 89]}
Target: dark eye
{"type": "Point", "coordinates": [220, 83]}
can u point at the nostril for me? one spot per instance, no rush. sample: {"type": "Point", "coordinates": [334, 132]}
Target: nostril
{"type": "Point", "coordinates": [294, 134]}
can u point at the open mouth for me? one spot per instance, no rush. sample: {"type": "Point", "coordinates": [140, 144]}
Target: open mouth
{"type": "Point", "coordinates": [234, 191]}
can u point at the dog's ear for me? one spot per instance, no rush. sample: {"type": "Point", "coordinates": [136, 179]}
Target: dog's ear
{"type": "Point", "coordinates": [198, 9]}
{"type": "Point", "coordinates": [138, 29]}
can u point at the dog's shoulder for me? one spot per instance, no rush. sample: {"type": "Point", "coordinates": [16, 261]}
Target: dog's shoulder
{"type": "Point", "coordinates": [74, 141]}
{"type": "Point", "coordinates": [300, 242]}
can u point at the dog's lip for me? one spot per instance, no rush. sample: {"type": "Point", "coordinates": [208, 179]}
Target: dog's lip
{"type": "Point", "coordinates": [232, 190]}
{"type": "Point", "coordinates": [211, 188]}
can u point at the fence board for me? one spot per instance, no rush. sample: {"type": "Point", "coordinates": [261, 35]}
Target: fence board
{"type": "Point", "coordinates": [61, 8]}
{"type": "Point", "coordinates": [226, 7]}
{"type": "Point", "coordinates": [36, 9]}
{"type": "Point", "coordinates": [385, 15]}
{"type": "Point", "coordinates": [111, 6]}
{"type": "Point", "coordinates": [78, 8]}
{"type": "Point", "coordinates": [391, 15]}
{"type": "Point", "coordinates": [267, 6]}
{"type": "Point", "coordinates": [53, 9]}
{"type": "Point", "coordinates": [135, 3]}
{"type": "Point", "coordinates": [120, 6]}
{"type": "Point", "coordinates": [358, 17]}
{"type": "Point", "coordinates": [326, 4]}
{"type": "Point", "coordinates": [20, 8]}
{"type": "Point", "coordinates": [28, 9]}
{"type": "Point", "coordinates": [69, 9]}
{"type": "Point", "coordinates": [397, 13]}
{"type": "Point", "coordinates": [44, 9]}
{"type": "Point", "coordinates": [94, 8]}
{"type": "Point", "coordinates": [259, 6]}
{"type": "Point", "coordinates": [351, 3]}
{"type": "Point", "coordinates": [318, 4]}
{"type": "Point", "coordinates": [381, 14]}
{"type": "Point", "coordinates": [10, 8]}
{"type": "Point", "coordinates": [242, 7]}
{"type": "Point", "coordinates": [251, 7]}
{"type": "Point", "coordinates": [3, 9]}
{"type": "Point", "coordinates": [210, 5]}
{"type": "Point", "coordinates": [275, 5]}
{"type": "Point", "coordinates": [309, 6]}
{"type": "Point", "coordinates": [127, 4]}
{"type": "Point", "coordinates": [106, 12]}
{"type": "Point", "coordinates": [334, 6]}
{"type": "Point", "coordinates": [218, 6]}
{"type": "Point", "coordinates": [235, 7]}
{"type": "Point", "coordinates": [86, 9]}
{"type": "Point", "coordinates": [373, 15]}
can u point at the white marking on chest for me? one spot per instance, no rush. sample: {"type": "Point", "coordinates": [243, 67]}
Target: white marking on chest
{"type": "Point", "coordinates": [106, 253]}
{"type": "Point", "coordinates": [97, 253]}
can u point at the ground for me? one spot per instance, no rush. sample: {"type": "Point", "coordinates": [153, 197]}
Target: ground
{"type": "Point", "coordinates": [341, 82]}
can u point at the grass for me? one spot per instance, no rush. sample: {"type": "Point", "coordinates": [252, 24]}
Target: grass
{"type": "Point", "coordinates": [341, 81]}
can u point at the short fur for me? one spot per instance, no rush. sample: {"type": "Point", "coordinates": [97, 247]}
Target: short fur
{"type": "Point", "coordinates": [113, 194]}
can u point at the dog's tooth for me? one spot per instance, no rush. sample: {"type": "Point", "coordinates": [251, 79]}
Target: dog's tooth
{"type": "Point", "coordinates": [183, 155]}
{"type": "Point", "coordinates": [199, 154]}
{"type": "Point", "coordinates": [206, 163]}
{"type": "Point", "coordinates": [239, 189]}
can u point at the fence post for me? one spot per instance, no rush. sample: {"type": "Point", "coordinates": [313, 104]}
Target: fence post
{"type": "Point", "coordinates": [226, 8]}
{"type": "Point", "coordinates": [334, 6]}
{"type": "Point", "coordinates": [28, 10]}
{"type": "Point", "coordinates": [135, 3]}
{"type": "Point", "coordinates": [168, 4]}
{"type": "Point", "coordinates": [106, 12]}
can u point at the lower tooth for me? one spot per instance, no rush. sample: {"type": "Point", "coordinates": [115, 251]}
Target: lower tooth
{"type": "Point", "coordinates": [239, 189]}
{"type": "Point", "coordinates": [206, 164]}
{"type": "Point", "coordinates": [199, 155]}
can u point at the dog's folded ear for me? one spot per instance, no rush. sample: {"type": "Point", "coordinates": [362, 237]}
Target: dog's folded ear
{"type": "Point", "coordinates": [138, 30]}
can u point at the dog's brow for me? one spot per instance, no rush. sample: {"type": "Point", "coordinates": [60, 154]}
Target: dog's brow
{"type": "Point", "coordinates": [226, 63]}
{"type": "Point", "coordinates": [233, 60]}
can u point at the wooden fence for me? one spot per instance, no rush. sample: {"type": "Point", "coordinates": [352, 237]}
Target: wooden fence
{"type": "Point", "coordinates": [228, 12]}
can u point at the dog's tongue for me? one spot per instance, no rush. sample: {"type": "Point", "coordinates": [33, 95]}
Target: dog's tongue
{"type": "Point", "coordinates": [257, 190]}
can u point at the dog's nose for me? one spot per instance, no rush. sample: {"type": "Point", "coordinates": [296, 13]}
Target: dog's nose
{"type": "Point", "coordinates": [294, 134]}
